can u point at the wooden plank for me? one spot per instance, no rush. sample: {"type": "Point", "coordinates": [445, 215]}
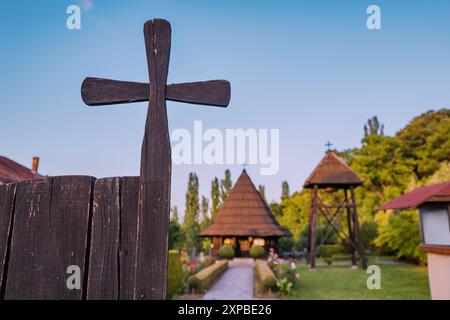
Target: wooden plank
{"type": "Point", "coordinates": [154, 191]}
{"type": "Point", "coordinates": [99, 91]}
{"type": "Point", "coordinates": [30, 240]}
{"type": "Point", "coordinates": [7, 194]}
{"type": "Point", "coordinates": [49, 235]}
{"type": "Point", "coordinates": [103, 273]}
{"type": "Point", "coordinates": [70, 215]}
{"type": "Point", "coordinates": [128, 233]}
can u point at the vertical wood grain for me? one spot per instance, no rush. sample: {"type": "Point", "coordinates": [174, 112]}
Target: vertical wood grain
{"type": "Point", "coordinates": [49, 234]}
{"type": "Point", "coordinates": [7, 194]}
{"type": "Point", "coordinates": [154, 191]}
{"type": "Point", "coordinates": [128, 234]}
{"type": "Point", "coordinates": [103, 274]}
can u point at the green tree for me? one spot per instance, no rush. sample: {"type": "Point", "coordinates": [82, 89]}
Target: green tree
{"type": "Point", "coordinates": [225, 186]}
{"type": "Point", "coordinates": [425, 140]}
{"type": "Point", "coordinates": [174, 216]}
{"type": "Point", "coordinates": [206, 221]}
{"type": "Point", "coordinates": [284, 190]}
{"type": "Point", "coordinates": [373, 127]}
{"type": "Point", "coordinates": [295, 213]}
{"type": "Point", "coordinates": [215, 198]}
{"type": "Point", "coordinates": [400, 233]}
{"type": "Point", "coordinates": [191, 226]}
{"type": "Point", "coordinates": [441, 175]}
{"type": "Point", "coordinates": [175, 235]}
{"type": "Point", "coordinates": [262, 191]}
{"type": "Point", "coordinates": [384, 168]}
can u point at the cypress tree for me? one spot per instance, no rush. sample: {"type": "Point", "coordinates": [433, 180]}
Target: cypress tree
{"type": "Point", "coordinates": [215, 198]}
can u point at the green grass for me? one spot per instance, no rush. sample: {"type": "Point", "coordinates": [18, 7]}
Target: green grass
{"type": "Point", "coordinates": [401, 282]}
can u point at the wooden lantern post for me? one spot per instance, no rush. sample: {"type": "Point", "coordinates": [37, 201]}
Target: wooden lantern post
{"type": "Point", "coordinates": [155, 171]}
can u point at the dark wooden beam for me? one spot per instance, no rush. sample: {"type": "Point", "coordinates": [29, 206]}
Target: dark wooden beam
{"type": "Point", "coordinates": [350, 227]}
{"type": "Point", "coordinates": [313, 229]}
{"type": "Point", "coordinates": [357, 229]}
{"type": "Point", "coordinates": [99, 91]}
{"type": "Point", "coordinates": [154, 191]}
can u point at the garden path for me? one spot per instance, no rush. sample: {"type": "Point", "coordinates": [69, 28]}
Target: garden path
{"type": "Point", "coordinates": [236, 283]}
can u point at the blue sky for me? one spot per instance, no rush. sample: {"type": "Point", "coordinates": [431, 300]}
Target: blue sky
{"type": "Point", "coordinates": [310, 68]}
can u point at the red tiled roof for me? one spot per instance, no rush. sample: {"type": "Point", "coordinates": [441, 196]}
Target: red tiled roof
{"type": "Point", "coordinates": [245, 213]}
{"type": "Point", "coordinates": [434, 192]}
{"type": "Point", "coordinates": [332, 171]}
{"type": "Point", "coordinates": [11, 171]}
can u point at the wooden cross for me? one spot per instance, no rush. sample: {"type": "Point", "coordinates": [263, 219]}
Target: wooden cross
{"type": "Point", "coordinates": [154, 189]}
{"type": "Point", "coordinates": [328, 145]}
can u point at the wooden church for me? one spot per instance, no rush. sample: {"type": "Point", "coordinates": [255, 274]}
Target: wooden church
{"type": "Point", "coordinates": [244, 220]}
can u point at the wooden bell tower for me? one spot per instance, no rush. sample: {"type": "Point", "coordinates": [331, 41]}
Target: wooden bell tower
{"type": "Point", "coordinates": [333, 175]}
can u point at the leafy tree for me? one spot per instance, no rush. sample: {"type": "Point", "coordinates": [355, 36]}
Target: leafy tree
{"type": "Point", "coordinates": [215, 198]}
{"type": "Point", "coordinates": [295, 213]}
{"type": "Point", "coordinates": [400, 232]}
{"type": "Point", "coordinates": [442, 175]}
{"type": "Point", "coordinates": [225, 186]}
{"type": "Point", "coordinates": [262, 191]}
{"type": "Point", "coordinates": [284, 190]}
{"type": "Point", "coordinates": [384, 168]}
{"type": "Point", "coordinates": [426, 141]}
{"type": "Point", "coordinates": [190, 226]}
{"type": "Point", "coordinates": [175, 235]}
{"type": "Point", "coordinates": [206, 221]}
{"type": "Point", "coordinates": [373, 127]}
{"type": "Point", "coordinates": [174, 216]}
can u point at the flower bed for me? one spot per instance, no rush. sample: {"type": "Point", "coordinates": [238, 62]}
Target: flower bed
{"type": "Point", "coordinates": [285, 272]}
{"type": "Point", "coordinates": [184, 268]}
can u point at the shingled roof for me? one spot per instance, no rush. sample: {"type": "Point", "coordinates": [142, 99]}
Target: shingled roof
{"type": "Point", "coordinates": [245, 213]}
{"type": "Point", "coordinates": [432, 193]}
{"type": "Point", "coordinates": [11, 171]}
{"type": "Point", "coordinates": [332, 171]}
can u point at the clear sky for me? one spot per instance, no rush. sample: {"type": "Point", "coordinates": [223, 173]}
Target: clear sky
{"type": "Point", "coordinates": [310, 68]}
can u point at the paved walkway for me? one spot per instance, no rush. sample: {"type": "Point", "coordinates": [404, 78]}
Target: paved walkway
{"type": "Point", "coordinates": [235, 284]}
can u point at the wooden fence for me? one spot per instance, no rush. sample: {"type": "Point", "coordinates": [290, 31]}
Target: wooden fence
{"type": "Point", "coordinates": [49, 224]}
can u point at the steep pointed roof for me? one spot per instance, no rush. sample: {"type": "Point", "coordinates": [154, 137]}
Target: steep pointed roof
{"type": "Point", "coordinates": [332, 171]}
{"type": "Point", "coordinates": [245, 213]}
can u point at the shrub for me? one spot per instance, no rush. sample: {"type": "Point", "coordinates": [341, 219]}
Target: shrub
{"type": "Point", "coordinates": [226, 252]}
{"type": "Point", "coordinates": [257, 252]}
{"type": "Point", "coordinates": [286, 244]}
{"type": "Point", "coordinates": [328, 250]}
{"type": "Point", "coordinates": [400, 233]}
{"type": "Point", "coordinates": [264, 274]}
{"type": "Point", "coordinates": [193, 282]}
{"type": "Point", "coordinates": [285, 287]}
{"type": "Point", "coordinates": [175, 276]}
{"type": "Point", "coordinates": [369, 231]}
{"type": "Point", "coordinates": [204, 278]}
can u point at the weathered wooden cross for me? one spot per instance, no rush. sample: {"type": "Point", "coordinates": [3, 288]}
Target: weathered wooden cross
{"type": "Point", "coordinates": [154, 190]}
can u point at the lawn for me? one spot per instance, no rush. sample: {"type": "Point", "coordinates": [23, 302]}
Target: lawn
{"type": "Point", "coordinates": [402, 281]}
